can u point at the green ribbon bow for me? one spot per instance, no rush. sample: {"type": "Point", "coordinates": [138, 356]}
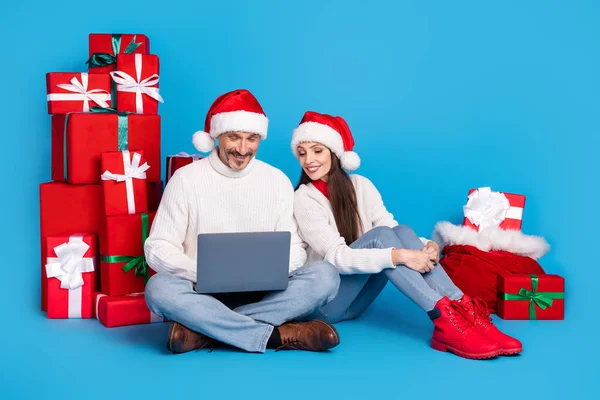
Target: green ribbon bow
{"type": "Point", "coordinates": [542, 299]}
{"type": "Point", "coordinates": [122, 132]}
{"type": "Point", "coordinates": [104, 59]}
{"type": "Point", "coordinates": [137, 263]}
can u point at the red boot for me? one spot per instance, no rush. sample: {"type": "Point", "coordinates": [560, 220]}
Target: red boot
{"type": "Point", "coordinates": [454, 333]}
{"type": "Point", "coordinates": [479, 315]}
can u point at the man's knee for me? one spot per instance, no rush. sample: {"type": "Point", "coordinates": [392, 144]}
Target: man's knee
{"type": "Point", "coordinates": [325, 279]}
{"type": "Point", "coordinates": [158, 288]}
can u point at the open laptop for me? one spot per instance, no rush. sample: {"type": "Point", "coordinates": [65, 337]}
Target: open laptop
{"type": "Point", "coordinates": [242, 262]}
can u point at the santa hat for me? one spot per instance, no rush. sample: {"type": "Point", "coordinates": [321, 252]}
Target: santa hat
{"type": "Point", "coordinates": [233, 111]}
{"type": "Point", "coordinates": [330, 131]}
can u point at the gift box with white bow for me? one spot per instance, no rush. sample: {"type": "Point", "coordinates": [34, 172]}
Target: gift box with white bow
{"type": "Point", "coordinates": [486, 208]}
{"type": "Point", "coordinates": [137, 79]}
{"type": "Point", "coordinates": [123, 266]}
{"type": "Point", "coordinates": [124, 182]}
{"type": "Point", "coordinates": [104, 48]}
{"type": "Point", "coordinates": [78, 144]}
{"type": "Point", "coordinates": [179, 160]}
{"type": "Point", "coordinates": [75, 208]}
{"type": "Point", "coordinates": [69, 92]}
{"type": "Point", "coordinates": [71, 273]}
{"type": "Point", "coordinates": [125, 310]}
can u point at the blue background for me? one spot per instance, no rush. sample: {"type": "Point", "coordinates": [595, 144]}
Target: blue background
{"type": "Point", "coordinates": [441, 97]}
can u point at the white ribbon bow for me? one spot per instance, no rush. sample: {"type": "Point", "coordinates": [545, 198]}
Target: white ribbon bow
{"type": "Point", "coordinates": [70, 263]}
{"type": "Point", "coordinates": [126, 83]}
{"type": "Point", "coordinates": [132, 170]}
{"type": "Point", "coordinates": [486, 208]}
{"type": "Point", "coordinates": [81, 92]}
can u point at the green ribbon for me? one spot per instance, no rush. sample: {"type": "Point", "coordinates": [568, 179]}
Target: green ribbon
{"type": "Point", "coordinates": [542, 299]}
{"type": "Point", "coordinates": [122, 132]}
{"type": "Point", "coordinates": [137, 263]}
{"type": "Point", "coordinates": [104, 59]}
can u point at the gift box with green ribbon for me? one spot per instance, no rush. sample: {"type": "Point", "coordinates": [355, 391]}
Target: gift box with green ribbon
{"type": "Point", "coordinates": [529, 296]}
{"type": "Point", "coordinates": [123, 267]}
{"type": "Point", "coordinates": [79, 139]}
{"type": "Point", "coordinates": [104, 48]}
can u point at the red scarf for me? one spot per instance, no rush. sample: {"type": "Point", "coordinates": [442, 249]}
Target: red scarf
{"type": "Point", "coordinates": [321, 187]}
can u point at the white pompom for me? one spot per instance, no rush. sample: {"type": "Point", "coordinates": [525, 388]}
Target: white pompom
{"type": "Point", "coordinates": [350, 161]}
{"type": "Point", "coordinates": [203, 142]}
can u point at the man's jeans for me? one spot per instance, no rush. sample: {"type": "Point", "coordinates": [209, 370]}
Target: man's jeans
{"type": "Point", "coordinates": [247, 326]}
{"type": "Point", "coordinates": [358, 291]}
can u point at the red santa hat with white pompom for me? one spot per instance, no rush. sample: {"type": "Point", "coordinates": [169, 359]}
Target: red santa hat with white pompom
{"type": "Point", "coordinates": [330, 131]}
{"type": "Point", "coordinates": [235, 111]}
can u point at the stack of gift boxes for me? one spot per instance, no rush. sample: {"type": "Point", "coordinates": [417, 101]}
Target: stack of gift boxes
{"type": "Point", "coordinates": [98, 210]}
{"type": "Point", "coordinates": [522, 296]}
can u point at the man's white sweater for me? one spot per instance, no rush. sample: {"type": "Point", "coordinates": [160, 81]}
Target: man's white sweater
{"type": "Point", "coordinates": [207, 196]}
{"type": "Point", "coordinates": [318, 228]}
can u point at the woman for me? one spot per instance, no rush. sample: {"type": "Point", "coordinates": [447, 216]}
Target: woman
{"type": "Point", "coordinates": [343, 220]}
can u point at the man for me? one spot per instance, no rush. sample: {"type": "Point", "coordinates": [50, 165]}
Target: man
{"type": "Point", "coordinates": [232, 191]}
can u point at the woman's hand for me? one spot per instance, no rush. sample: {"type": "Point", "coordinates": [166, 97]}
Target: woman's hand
{"type": "Point", "coordinates": [417, 260]}
{"type": "Point", "coordinates": [432, 250]}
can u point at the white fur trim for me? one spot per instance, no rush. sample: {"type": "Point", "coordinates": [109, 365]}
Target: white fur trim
{"type": "Point", "coordinates": [242, 121]}
{"type": "Point", "coordinates": [320, 133]}
{"type": "Point", "coordinates": [350, 161]}
{"type": "Point", "coordinates": [203, 142]}
{"type": "Point", "coordinates": [492, 238]}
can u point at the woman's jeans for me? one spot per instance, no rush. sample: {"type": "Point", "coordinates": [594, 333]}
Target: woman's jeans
{"type": "Point", "coordinates": [358, 291]}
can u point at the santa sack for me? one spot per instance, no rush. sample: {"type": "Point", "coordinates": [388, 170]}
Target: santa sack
{"type": "Point", "coordinates": [475, 272]}
{"type": "Point", "coordinates": [473, 260]}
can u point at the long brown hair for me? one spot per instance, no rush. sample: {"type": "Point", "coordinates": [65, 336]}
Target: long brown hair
{"type": "Point", "coordinates": [342, 197]}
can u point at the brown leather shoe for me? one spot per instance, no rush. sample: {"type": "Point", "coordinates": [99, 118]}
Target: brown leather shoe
{"type": "Point", "coordinates": [315, 335]}
{"type": "Point", "coordinates": [181, 339]}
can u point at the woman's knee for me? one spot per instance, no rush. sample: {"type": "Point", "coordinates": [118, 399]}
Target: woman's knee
{"type": "Point", "coordinates": [408, 237]}
{"type": "Point", "coordinates": [384, 236]}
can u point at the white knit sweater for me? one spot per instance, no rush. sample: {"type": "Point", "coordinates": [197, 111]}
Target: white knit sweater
{"type": "Point", "coordinates": [208, 197]}
{"type": "Point", "coordinates": [318, 228]}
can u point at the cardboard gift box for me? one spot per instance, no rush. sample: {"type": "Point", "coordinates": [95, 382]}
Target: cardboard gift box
{"type": "Point", "coordinates": [486, 208]}
{"type": "Point", "coordinates": [69, 92]}
{"type": "Point", "coordinates": [131, 309]}
{"type": "Point", "coordinates": [179, 160]}
{"type": "Point", "coordinates": [531, 296]}
{"type": "Point", "coordinates": [137, 79]}
{"type": "Point", "coordinates": [124, 182]}
{"type": "Point", "coordinates": [68, 208]}
{"type": "Point", "coordinates": [123, 267]}
{"type": "Point", "coordinates": [70, 270]}
{"type": "Point", "coordinates": [104, 48]}
{"type": "Point", "coordinates": [78, 141]}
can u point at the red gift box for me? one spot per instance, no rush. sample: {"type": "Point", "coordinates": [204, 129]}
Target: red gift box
{"type": "Point", "coordinates": [113, 311]}
{"type": "Point", "coordinates": [530, 296]}
{"type": "Point", "coordinates": [179, 160]}
{"type": "Point", "coordinates": [124, 182]}
{"type": "Point", "coordinates": [71, 269]}
{"type": "Point", "coordinates": [105, 47]}
{"type": "Point", "coordinates": [137, 83]}
{"type": "Point", "coordinates": [511, 215]}
{"type": "Point", "coordinates": [69, 92]}
{"type": "Point", "coordinates": [88, 135]}
{"type": "Point", "coordinates": [123, 268]}
{"type": "Point", "coordinates": [75, 208]}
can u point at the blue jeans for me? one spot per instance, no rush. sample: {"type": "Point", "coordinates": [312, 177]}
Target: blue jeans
{"type": "Point", "coordinates": [243, 324]}
{"type": "Point", "coordinates": [357, 292]}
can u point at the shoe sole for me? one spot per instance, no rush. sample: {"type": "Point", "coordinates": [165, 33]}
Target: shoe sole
{"type": "Point", "coordinates": [480, 356]}
{"type": "Point", "coordinates": [511, 352]}
{"type": "Point", "coordinates": [337, 335]}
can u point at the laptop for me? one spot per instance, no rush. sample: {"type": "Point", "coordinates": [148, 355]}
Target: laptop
{"type": "Point", "coordinates": [242, 262]}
